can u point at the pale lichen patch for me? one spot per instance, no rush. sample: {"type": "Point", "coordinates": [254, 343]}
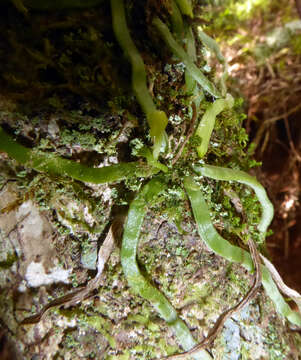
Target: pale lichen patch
{"type": "Point", "coordinates": [36, 275]}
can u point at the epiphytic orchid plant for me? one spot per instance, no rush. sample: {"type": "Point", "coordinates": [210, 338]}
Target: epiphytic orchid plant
{"type": "Point", "coordinates": [158, 174]}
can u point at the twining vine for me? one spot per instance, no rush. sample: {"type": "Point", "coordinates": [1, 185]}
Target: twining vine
{"type": "Point", "coordinates": [158, 171]}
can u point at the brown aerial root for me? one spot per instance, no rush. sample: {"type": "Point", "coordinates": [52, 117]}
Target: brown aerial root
{"type": "Point", "coordinates": [188, 135]}
{"type": "Point", "coordinates": [217, 328]}
{"type": "Point", "coordinates": [85, 292]}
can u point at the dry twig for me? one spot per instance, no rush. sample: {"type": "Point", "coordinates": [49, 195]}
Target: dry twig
{"type": "Point", "coordinates": [293, 294]}
{"type": "Point", "coordinates": [290, 140]}
{"type": "Point", "coordinates": [271, 120]}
